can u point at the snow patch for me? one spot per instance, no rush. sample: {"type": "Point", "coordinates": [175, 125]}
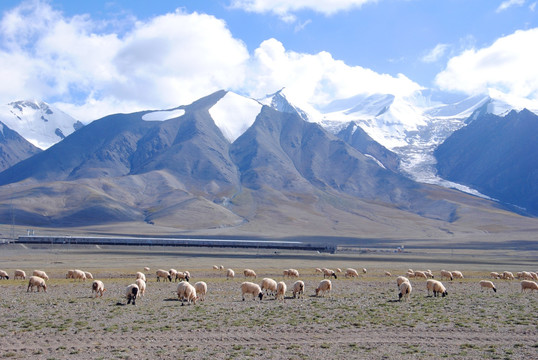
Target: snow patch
{"type": "Point", "coordinates": [163, 115]}
{"type": "Point", "coordinates": [377, 161]}
{"type": "Point", "coordinates": [234, 114]}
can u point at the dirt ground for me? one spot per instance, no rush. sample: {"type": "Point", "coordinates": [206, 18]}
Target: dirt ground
{"type": "Point", "coordinates": [361, 318]}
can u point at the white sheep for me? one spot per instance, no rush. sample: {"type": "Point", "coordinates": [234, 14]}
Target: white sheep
{"type": "Point", "coordinates": [328, 273]}
{"type": "Point", "coordinates": [528, 285]}
{"type": "Point", "coordinates": [405, 290]}
{"type": "Point", "coordinates": [298, 288]}
{"type": "Point", "coordinates": [429, 274]}
{"type": "Point", "coordinates": [163, 274]}
{"type": "Point", "coordinates": [318, 270]}
{"type": "Point", "coordinates": [201, 290]}
{"type": "Point", "coordinates": [20, 274]}
{"type": "Point", "coordinates": [487, 284]}
{"type": "Point", "coordinates": [338, 270]}
{"type": "Point", "coordinates": [400, 280]}
{"type": "Point", "coordinates": [495, 275]}
{"type": "Point", "coordinates": [140, 275]}
{"type": "Point", "coordinates": [146, 268]}
{"type": "Point", "coordinates": [37, 281]}
{"type": "Point", "coordinates": [69, 274]}
{"type": "Point", "coordinates": [292, 273]}
{"type": "Point", "coordinates": [457, 274]}
{"type": "Point", "coordinates": [410, 274]}
{"type": "Point", "coordinates": [364, 270]}
{"type": "Point", "coordinates": [79, 274]}
{"type": "Point", "coordinates": [351, 273]}
{"type": "Point", "coordinates": [215, 267]}
{"type": "Point", "coordinates": [98, 287]}
{"type": "Point", "coordinates": [251, 288]}
{"type": "Point", "coordinates": [230, 274]}
{"type": "Point", "coordinates": [436, 287]}
{"type": "Point", "coordinates": [185, 291]}
{"type": "Point", "coordinates": [324, 286]}
{"type": "Point", "coordinates": [41, 274]}
{"type": "Point", "coordinates": [88, 275]}
{"type": "Point", "coordinates": [249, 273]}
{"type": "Point", "coordinates": [3, 275]}
{"type": "Point", "coordinates": [183, 276]}
{"type": "Point", "coordinates": [387, 273]}
{"type": "Point", "coordinates": [446, 274]}
{"type": "Point", "coordinates": [507, 275]}
{"type": "Point", "coordinates": [221, 267]}
{"type": "Point", "coordinates": [281, 290]}
{"type": "Point", "coordinates": [173, 274]}
{"type": "Point", "coordinates": [131, 293]}
{"type": "Point", "coordinates": [420, 274]}
{"type": "Point", "coordinates": [141, 286]}
{"type": "Point", "coordinates": [269, 285]}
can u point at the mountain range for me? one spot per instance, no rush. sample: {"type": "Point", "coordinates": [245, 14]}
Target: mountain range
{"type": "Point", "coordinates": [232, 165]}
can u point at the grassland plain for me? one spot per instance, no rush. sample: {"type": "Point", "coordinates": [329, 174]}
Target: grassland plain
{"type": "Point", "coordinates": [360, 319]}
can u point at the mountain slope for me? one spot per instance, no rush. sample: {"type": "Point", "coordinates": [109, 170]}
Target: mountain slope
{"type": "Point", "coordinates": [497, 156]}
{"type": "Point", "coordinates": [13, 148]}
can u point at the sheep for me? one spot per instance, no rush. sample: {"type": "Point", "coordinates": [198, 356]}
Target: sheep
{"type": "Point", "coordinates": [4, 275]}
{"type": "Point", "coordinates": [405, 291]}
{"type": "Point", "coordinates": [20, 274]}
{"type": "Point", "coordinates": [185, 291]}
{"type": "Point", "coordinates": [249, 273]}
{"type": "Point", "coordinates": [215, 267]}
{"type": "Point", "coordinates": [436, 287]}
{"type": "Point", "coordinates": [281, 290]}
{"type": "Point", "coordinates": [457, 275]}
{"type": "Point", "coordinates": [201, 290]}
{"type": "Point", "coordinates": [69, 274]}
{"type": "Point", "coordinates": [146, 268]}
{"type": "Point", "coordinates": [131, 293]}
{"type": "Point", "coordinates": [141, 286]}
{"type": "Point", "coordinates": [41, 274]}
{"type": "Point", "coordinates": [251, 288]}
{"type": "Point", "coordinates": [446, 274]}
{"type": "Point", "coordinates": [400, 280]}
{"type": "Point", "coordinates": [230, 274]}
{"type": "Point", "coordinates": [298, 288]}
{"type": "Point", "coordinates": [98, 287]}
{"type": "Point", "coordinates": [495, 275]}
{"type": "Point", "coordinates": [318, 270]}
{"type": "Point", "coordinates": [88, 275]}
{"type": "Point", "coordinates": [173, 274]}
{"type": "Point", "coordinates": [163, 274]}
{"type": "Point", "coordinates": [410, 274]}
{"type": "Point", "coordinates": [387, 273]}
{"type": "Point", "coordinates": [338, 270]}
{"type": "Point", "coordinates": [79, 274]}
{"type": "Point", "coordinates": [528, 285]}
{"type": "Point", "coordinates": [291, 273]}
{"type": "Point", "coordinates": [364, 270]}
{"type": "Point", "coordinates": [429, 274]}
{"type": "Point", "coordinates": [351, 273]}
{"type": "Point", "coordinates": [420, 274]}
{"type": "Point", "coordinates": [534, 276]}
{"type": "Point", "coordinates": [140, 275]}
{"type": "Point", "coordinates": [324, 286]}
{"type": "Point", "coordinates": [487, 284]}
{"type": "Point", "coordinates": [328, 273]}
{"type": "Point", "coordinates": [507, 275]}
{"type": "Point", "coordinates": [183, 276]}
{"type": "Point", "coordinates": [37, 281]}
{"type": "Point", "coordinates": [221, 267]}
{"type": "Point", "coordinates": [269, 285]}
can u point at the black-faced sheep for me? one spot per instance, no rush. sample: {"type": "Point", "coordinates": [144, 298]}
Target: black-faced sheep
{"type": "Point", "coordinates": [251, 288]}
{"type": "Point", "coordinates": [131, 293]}
{"type": "Point", "coordinates": [163, 274]}
{"type": "Point", "coordinates": [487, 284]}
{"type": "Point", "coordinates": [98, 287]}
{"type": "Point", "coordinates": [324, 286]}
{"type": "Point", "coordinates": [38, 282]}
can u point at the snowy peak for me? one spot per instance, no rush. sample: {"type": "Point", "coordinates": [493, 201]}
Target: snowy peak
{"type": "Point", "coordinates": [39, 123]}
{"type": "Point", "coordinates": [279, 101]}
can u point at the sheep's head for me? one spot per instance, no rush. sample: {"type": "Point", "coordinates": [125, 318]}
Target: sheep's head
{"type": "Point", "coordinates": [170, 278]}
{"type": "Point", "coordinates": [400, 296]}
{"type": "Point", "coordinates": [333, 274]}
{"type": "Point", "coordinates": [260, 295]}
{"type": "Point", "coordinates": [445, 293]}
{"type": "Point", "coordinates": [187, 277]}
{"type": "Point", "coordinates": [45, 287]}
{"type": "Point", "coordinates": [317, 291]}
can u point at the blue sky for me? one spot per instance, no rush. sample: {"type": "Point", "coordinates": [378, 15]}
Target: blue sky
{"type": "Point", "coordinates": [103, 55]}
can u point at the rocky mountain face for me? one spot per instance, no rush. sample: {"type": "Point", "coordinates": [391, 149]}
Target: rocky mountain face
{"type": "Point", "coordinates": [495, 155]}
{"type": "Point", "coordinates": [13, 148]}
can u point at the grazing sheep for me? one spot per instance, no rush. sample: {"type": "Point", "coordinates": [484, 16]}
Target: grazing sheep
{"type": "Point", "coordinates": [4, 275]}
{"type": "Point", "coordinates": [131, 293]}
{"type": "Point", "coordinates": [400, 280]}
{"type": "Point", "coordinates": [163, 274]}
{"type": "Point", "coordinates": [230, 274]}
{"type": "Point", "coordinates": [186, 291]}
{"type": "Point", "coordinates": [88, 275]}
{"type": "Point", "coordinates": [69, 274]}
{"type": "Point", "coordinates": [338, 270]}
{"type": "Point", "coordinates": [98, 287]}
{"type": "Point", "coordinates": [328, 273]}
{"type": "Point", "coordinates": [249, 273]}
{"type": "Point", "coordinates": [221, 267]}
{"type": "Point", "coordinates": [420, 274]}
{"type": "Point", "coordinates": [269, 285]}
{"type": "Point", "coordinates": [410, 274]}
{"type": "Point", "coordinates": [495, 275]}
{"type": "Point", "coordinates": [457, 275]}
{"type": "Point", "coordinates": [528, 285]}
{"type": "Point", "coordinates": [201, 290]}
{"type": "Point", "coordinates": [446, 274]}
{"type": "Point", "coordinates": [405, 291]}
{"type": "Point", "coordinates": [387, 273]}
{"type": "Point", "coordinates": [215, 267]}
{"type": "Point", "coordinates": [318, 270]}
{"type": "Point", "coordinates": [37, 281]}
{"type": "Point", "coordinates": [147, 268]}
{"type": "Point", "coordinates": [487, 284]}
{"type": "Point", "coordinates": [351, 273]}
{"type": "Point", "coordinates": [298, 289]}
{"type": "Point", "coordinates": [173, 274]}
{"type": "Point", "coordinates": [324, 286]}
{"type": "Point", "coordinates": [20, 274]}
{"type": "Point", "coordinates": [183, 276]}
{"type": "Point", "coordinates": [79, 274]}
{"type": "Point", "coordinates": [364, 270]}
{"type": "Point", "coordinates": [291, 273]}
{"type": "Point", "coordinates": [507, 275]}
{"type": "Point", "coordinates": [436, 287]}
{"type": "Point", "coordinates": [141, 286]}
{"type": "Point", "coordinates": [429, 274]}
{"type": "Point", "coordinates": [534, 275]}
{"type": "Point", "coordinates": [41, 274]}
{"type": "Point", "coordinates": [251, 288]}
{"type": "Point", "coordinates": [281, 290]}
{"type": "Point", "coordinates": [140, 275]}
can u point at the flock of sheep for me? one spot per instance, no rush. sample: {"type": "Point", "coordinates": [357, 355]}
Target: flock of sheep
{"type": "Point", "coordinates": [269, 287]}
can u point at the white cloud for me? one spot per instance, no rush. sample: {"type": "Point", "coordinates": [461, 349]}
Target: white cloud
{"type": "Point", "coordinates": [507, 66]}
{"type": "Point", "coordinates": [285, 8]}
{"type": "Point", "coordinates": [435, 54]}
{"type": "Point", "coordinates": [509, 3]}
{"type": "Point", "coordinates": [532, 6]}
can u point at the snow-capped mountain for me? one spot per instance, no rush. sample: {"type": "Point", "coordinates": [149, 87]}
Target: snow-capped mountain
{"type": "Point", "coordinates": [39, 123]}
